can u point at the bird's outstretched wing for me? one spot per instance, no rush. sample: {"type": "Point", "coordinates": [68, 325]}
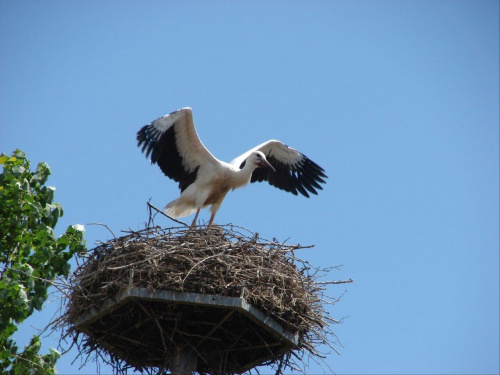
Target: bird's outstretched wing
{"type": "Point", "coordinates": [295, 172]}
{"type": "Point", "coordinates": [174, 145]}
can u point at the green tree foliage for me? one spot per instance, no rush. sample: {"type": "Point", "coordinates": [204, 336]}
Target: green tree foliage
{"type": "Point", "coordinates": [31, 257]}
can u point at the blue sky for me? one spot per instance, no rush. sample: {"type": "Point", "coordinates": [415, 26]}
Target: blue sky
{"type": "Point", "coordinates": [397, 101]}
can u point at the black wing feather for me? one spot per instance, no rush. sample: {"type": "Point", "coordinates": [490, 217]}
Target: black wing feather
{"type": "Point", "coordinates": [303, 177]}
{"type": "Point", "coordinates": [163, 149]}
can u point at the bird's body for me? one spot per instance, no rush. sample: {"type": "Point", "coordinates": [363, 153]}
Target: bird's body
{"type": "Point", "coordinates": [204, 180]}
{"type": "Point", "coordinates": [210, 188]}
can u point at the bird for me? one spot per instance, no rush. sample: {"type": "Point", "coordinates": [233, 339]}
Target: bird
{"type": "Point", "coordinates": [172, 143]}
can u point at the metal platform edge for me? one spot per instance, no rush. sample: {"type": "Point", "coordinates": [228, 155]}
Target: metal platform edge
{"type": "Point", "coordinates": [187, 298]}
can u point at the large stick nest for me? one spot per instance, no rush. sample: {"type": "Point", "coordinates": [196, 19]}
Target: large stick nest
{"type": "Point", "coordinates": [223, 261]}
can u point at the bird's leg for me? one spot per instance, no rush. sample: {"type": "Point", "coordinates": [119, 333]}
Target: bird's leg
{"type": "Point", "coordinates": [194, 220]}
{"type": "Point", "coordinates": [211, 219]}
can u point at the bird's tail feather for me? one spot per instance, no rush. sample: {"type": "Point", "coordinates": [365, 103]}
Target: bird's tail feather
{"type": "Point", "coordinates": [177, 209]}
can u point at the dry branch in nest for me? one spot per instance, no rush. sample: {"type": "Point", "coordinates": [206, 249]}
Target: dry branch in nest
{"type": "Point", "coordinates": [105, 319]}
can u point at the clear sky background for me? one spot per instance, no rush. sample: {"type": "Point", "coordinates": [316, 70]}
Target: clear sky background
{"type": "Point", "coordinates": [397, 100]}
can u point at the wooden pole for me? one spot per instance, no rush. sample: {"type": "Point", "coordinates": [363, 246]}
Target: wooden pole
{"type": "Point", "coordinates": [184, 362]}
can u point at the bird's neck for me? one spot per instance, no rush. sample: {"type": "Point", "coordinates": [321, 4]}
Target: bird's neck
{"type": "Point", "coordinates": [243, 175]}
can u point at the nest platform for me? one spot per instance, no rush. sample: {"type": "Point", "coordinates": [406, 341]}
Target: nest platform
{"type": "Point", "coordinates": [221, 301]}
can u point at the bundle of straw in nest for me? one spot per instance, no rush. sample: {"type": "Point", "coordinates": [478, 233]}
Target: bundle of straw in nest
{"type": "Point", "coordinates": [224, 261]}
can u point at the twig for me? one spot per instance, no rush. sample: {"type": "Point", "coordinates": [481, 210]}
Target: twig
{"type": "Point", "coordinates": [164, 214]}
{"type": "Point", "coordinates": [104, 225]}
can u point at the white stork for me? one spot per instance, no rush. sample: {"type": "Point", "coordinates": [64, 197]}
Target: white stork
{"type": "Point", "coordinates": [204, 180]}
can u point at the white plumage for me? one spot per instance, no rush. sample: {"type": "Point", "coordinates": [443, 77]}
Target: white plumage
{"type": "Point", "coordinates": [173, 144]}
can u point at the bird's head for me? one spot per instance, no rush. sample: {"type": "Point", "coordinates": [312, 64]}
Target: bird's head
{"type": "Point", "coordinates": [259, 160]}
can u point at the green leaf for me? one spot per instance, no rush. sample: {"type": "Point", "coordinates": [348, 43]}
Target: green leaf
{"type": "Point", "coordinates": [78, 228]}
{"type": "Point", "coordinates": [63, 241]}
{"type": "Point", "coordinates": [18, 170]}
{"type": "Point", "coordinates": [38, 303]}
{"type": "Point", "coordinates": [47, 193]}
{"type": "Point", "coordinates": [22, 296]}
{"type": "Point", "coordinates": [53, 356]}
{"type": "Point", "coordinates": [42, 173]}
{"type": "Point", "coordinates": [66, 268]}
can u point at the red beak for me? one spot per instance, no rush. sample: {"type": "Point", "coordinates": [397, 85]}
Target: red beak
{"type": "Point", "coordinates": [265, 164]}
